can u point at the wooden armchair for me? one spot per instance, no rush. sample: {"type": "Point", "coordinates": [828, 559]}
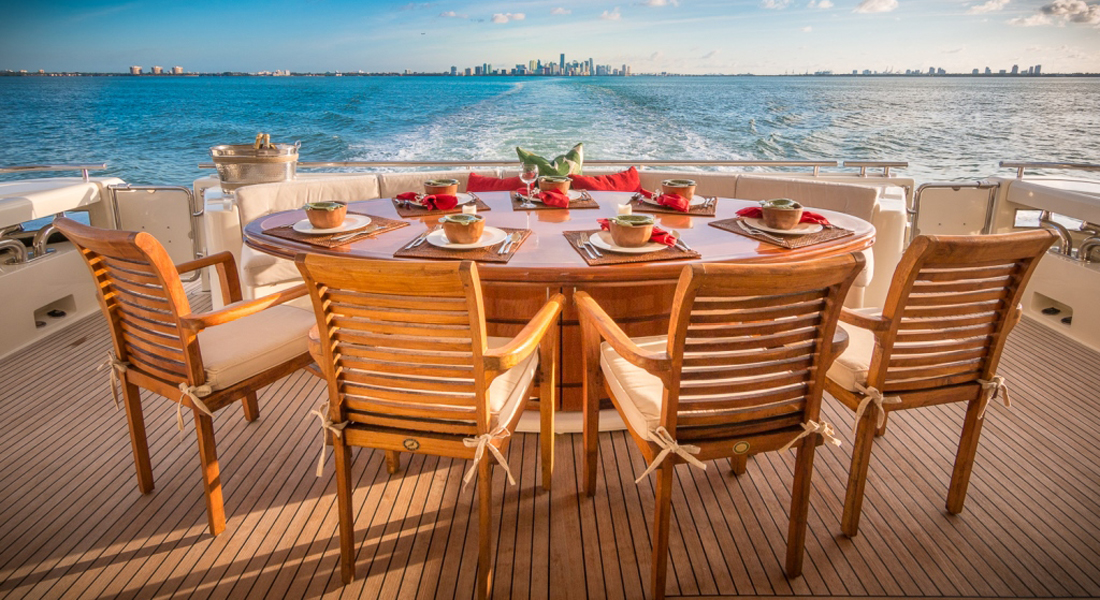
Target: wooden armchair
{"type": "Point", "coordinates": [204, 361]}
{"type": "Point", "coordinates": [951, 304]}
{"type": "Point", "coordinates": [740, 372]}
{"type": "Point", "coordinates": [411, 369]}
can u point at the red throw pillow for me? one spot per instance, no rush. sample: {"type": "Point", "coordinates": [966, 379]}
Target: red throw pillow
{"type": "Point", "coordinates": [626, 181]}
{"type": "Point", "coordinates": [479, 183]}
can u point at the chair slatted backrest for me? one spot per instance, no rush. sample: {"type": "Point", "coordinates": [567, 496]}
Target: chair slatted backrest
{"type": "Point", "coordinates": [752, 339]}
{"type": "Point", "coordinates": [141, 295]}
{"type": "Point", "coordinates": [406, 342]}
{"type": "Point", "coordinates": [950, 305]}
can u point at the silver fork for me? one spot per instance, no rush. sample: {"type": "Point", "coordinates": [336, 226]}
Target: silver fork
{"type": "Point", "coordinates": [588, 245]}
{"type": "Point", "coordinates": [508, 239]}
{"type": "Point", "coordinates": [763, 234]}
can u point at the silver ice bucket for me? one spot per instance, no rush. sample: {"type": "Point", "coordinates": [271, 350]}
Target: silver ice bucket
{"type": "Point", "coordinates": [246, 164]}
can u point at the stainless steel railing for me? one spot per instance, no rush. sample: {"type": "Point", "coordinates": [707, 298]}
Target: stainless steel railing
{"type": "Point", "coordinates": [83, 168]}
{"type": "Point", "coordinates": [1068, 166]}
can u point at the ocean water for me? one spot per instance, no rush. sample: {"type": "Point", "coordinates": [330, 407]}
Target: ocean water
{"type": "Point", "coordinates": [157, 130]}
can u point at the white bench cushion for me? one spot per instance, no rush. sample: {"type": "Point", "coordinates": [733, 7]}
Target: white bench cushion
{"type": "Point", "coordinates": [259, 269]}
{"type": "Point", "coordinates": [250, 345]}
{"type": "Point", "coordinates": [392, 184]}
{"type": "Point", "coordinates": [640, 395]}
{"type": "Point", "coordinates": [255, 201]}
{"type": "Point", "coordinates": [26, 200]}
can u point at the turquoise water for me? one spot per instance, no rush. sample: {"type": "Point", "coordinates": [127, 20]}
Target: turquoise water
{"type": "Point", "coordinates": [157, 130]}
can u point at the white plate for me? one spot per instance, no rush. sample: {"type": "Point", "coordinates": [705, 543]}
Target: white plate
{"type": "Point", "coordinates": [696, 200]}
{"type": "Point", "coordinates": [351, 223]}
{"type": "Point", "coordinates": [574, 195]}
{"type": "Point", "coordinates": [602, 240]}
{"type": "Point", "coordinates": [490, 236]}
{"type": "Point", "coordinates": [463, 198]}
{"type": "Point", "coordinates": [800, 229]}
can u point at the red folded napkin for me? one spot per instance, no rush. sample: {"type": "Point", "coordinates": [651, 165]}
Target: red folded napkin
{"type": "Point", "coordinates": [554, 198]}
{"type": "Point", "coordinates": [755, 212]}
{"type": "Point", "coordinates": [673, 201]}
{"type": "Point", "coordinates": [431, 202]}
{"type": "Point", "coordinates": [659, 235]}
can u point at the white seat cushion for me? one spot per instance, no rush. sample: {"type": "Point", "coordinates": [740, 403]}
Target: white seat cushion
{"type": "Point", "coordinates": [259, 269]}
{"type": "Point", "coordinates": [851, 366]}
{"type": "Point", "coordinates": [640, 395]}
{"type": "Point", "coordinates": [250, 345]}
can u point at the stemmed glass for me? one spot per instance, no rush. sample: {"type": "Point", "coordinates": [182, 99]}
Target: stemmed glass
{"type": "Point", "coordinates": [528, 174]}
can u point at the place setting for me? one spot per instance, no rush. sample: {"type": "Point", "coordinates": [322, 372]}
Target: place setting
{"type": "Point", "coordinates": [677, 197]}
{"type": "Point", "coordinates": [329, 224]}
{"type": "Point", "coordinates": [553, 192]}
{"type": "Point", "coordinates": [628, 238]}
{"type": "Point", "coordinates": [466, 236]}
{"type": "Point", "coordinates": [440, 197]}
{"type": "Point", "coordinates": [782, 222]}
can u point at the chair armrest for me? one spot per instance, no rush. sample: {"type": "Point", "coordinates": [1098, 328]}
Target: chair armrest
{"type": "Point", "coordinates": [527, 340]}
{"type": "Point", "coordinates": [591, 312]}
{"type": "Point", "coordinates": [227, 273]}
{"type": "Point", "coordinates": [851, 317]}
{"type": "Point", "coordinates": [198, 322]}
{"type": "Point", "coordinates": [1015, 317]}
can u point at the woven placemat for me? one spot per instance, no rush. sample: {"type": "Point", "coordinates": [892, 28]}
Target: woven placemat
{"type": "Point", "coordinates": [412, 210]}
{"type": "Point", "coordinates": [702, 210]}
{"type": "Point", "coordinates": [829, 233]}
{"type": "Point", "coordinates": [487, 254]}
{"type": "Point", "coordinates": [616, 258]}
{"type": "Point", "coordinates": [585, 201]}
{"type": "Point", "coordinates": [378, 226]}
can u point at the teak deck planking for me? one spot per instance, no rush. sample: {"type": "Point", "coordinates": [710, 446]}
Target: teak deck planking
{"type": "Point", "coordinates": [73, 525]}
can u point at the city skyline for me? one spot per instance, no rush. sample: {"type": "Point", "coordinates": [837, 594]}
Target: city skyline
{"type": "Point", "coordinates": [652, 36]}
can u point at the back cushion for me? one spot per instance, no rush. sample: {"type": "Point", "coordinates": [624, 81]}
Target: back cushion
{"type": "Point", "coordinates": [626, 181]}
{"type": "Point", "coordinates": [856, 200]}
{"type": "Point", "coordinates": [480, 183]}
{"type": "Point", "coordinates": [709, 184]}
{"type": "Point", "coordinates": [255, 201]}
{"type": "Point", "coordinates": [392, 184]}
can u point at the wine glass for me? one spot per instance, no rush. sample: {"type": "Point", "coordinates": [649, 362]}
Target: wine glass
{"type": "Point", "coordinates": [528, 174]}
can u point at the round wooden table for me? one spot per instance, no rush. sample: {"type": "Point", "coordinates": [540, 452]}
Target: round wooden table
{"type": "Point", "coordinates": [637, 295]}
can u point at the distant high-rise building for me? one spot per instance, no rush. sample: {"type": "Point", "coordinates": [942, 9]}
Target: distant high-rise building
{"type": "Point", "coordinates": [1038, 69]}
{"type": "Point", "coordinates": [941, 71]}
{"type": "Point", "coordinates": [469, 71]}
{"type": "Point", "coordinates": [177, 70]}
{"type": "Point", "coordinates": [1015, 69]}
{"type": "Point", "coordinates": [479, 70]}
{"type": "Point", "coordinates": [135, 70]}
{"type": "Point", "coordinates": [532, 65]}
{"type": "Point", "coordinates": [1031, 70]}
{"type": "Point", "coordinates": [1001, 72]}
{"type": "Point", "coordinates": [158, 70]}
{"type": "Point", "coordinates": [988, 71]}
{"type": "Point", "coordinates": [562, 63]}
{"type": "Point", "coordinates": [974, 72]}
{"type": "Point", "coordinates": [454, 70]}
{"type": "Point", "coordinates": [931, 70]}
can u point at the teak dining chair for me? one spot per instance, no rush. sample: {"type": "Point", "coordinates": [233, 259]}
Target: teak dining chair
{"type": "Point", "coordinates": [205, 361]}
{"type": "Point", "coordinates": [741, 371]}
{"type": "Point", "coordinates": [410, 369]}
{"type": "Point", "coordinates": [951, 304]}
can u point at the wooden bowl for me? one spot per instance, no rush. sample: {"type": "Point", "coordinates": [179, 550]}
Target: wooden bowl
{"type": "Point", "coordinates": [326, 215]}
{"type": "Point", "coordinates": [681, 187]}
{"type": "Point", "coordinates": [441, 186]}
{"type": "Point", "coordinates": [463, 228]}
{"type": "Point", "coordinates": [550, 182]}
{"type": "Point", "coordinates": [781, 213]}
{"type": "Point", "coordinates": [631, 231]}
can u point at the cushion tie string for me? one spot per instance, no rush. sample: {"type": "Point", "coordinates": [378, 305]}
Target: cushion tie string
{"type": "Point", "coordinates": [194, 392]}
{"type": "Point", "coordinates": [875, 397]}
{"type": "Point", "coordinates": [810, 427]}
{"type": "Point", "coordinates": [118, 368]}
{"type": "Point", "coordinates": [990, 389]}
{"type": "Point", "coordinates": [482, 442]}
{"type": "Point", "coordinates": [669, 446]}
{"type": "Point", "coordinates": [337, 430]}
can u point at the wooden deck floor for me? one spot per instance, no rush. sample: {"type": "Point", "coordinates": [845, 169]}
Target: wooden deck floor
{"type": "Point", "coordinates": [73, 525]}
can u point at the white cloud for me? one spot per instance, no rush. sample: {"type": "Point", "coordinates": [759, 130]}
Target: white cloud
{"type": "Point", "coordinates": [1060, 12]}
{"type": "Point", "coordinates": [822, 4]}
{"type": "Point", "coordinates": [505, 17]}
{"type": "Point", "coordinates": [807, 29]}
{"type": "Point", "coordinates": [416, 5]}
{"type": "Point", "coordinates": [988, 7]}
{"type": "Point", "coordinates": [452, 15]}
{"type": "Point", "coordinates": [660, 3]}
{"type": "Point", "coordinates": [613, 15]}
{"type": "Point", "coordinates": [775, 4]}
{"type": "Point", "coordinates": [561, 11]}
{"type": "Point", "coordinates": [876, 6]}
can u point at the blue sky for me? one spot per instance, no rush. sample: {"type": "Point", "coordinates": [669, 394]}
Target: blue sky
{"type": "Point", "coordinates": [690, 36]}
